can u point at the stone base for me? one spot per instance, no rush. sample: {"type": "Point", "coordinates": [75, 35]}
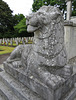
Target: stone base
{"type": "Point", "coordinates": [17, 78]}
{"type": "Point", "coordinates": [11, 89]}
{"type": "Point", "coordinates": [71, 95]}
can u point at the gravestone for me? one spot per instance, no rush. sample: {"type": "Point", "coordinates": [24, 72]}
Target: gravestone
{"type": "Point", "coordinates": [0, 41]}
{"type": "Point", "coordinates": [39, 71]}
{"type": "Point", "coordinates": [19, 40]}
{"type": "Point", "coordinates": [6, 42]}
{"type": "Point", "coordinates": [26, 40]}
{"type": "Point", "coordinates": [3, 40]}
{"type": "Point", "coordinates": [13, 39]}
{"type": "Point", "coordinates": [31, 38]}
{"type": "Point", "coordinates": [11, 42]}
{"type": "Point", "coordinates": [23, 41]}
{"type": "Point", "coordinates": [17, 43]}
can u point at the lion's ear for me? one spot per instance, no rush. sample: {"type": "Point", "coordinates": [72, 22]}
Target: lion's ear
{"type": "Point", "coordinates": [54, 15]}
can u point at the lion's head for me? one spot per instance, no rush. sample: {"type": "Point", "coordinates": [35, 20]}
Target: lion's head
{"type": "Point", "coordinates": [41, 18]}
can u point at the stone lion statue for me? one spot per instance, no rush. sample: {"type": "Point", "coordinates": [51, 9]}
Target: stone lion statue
{"type": "Point", "coordinates": [47, 51]}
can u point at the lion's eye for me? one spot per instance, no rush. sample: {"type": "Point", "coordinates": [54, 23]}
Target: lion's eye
{"type": "Point", "coordinates": [44, 18]}
{"type": "Point", "coordinates": [39, 13]}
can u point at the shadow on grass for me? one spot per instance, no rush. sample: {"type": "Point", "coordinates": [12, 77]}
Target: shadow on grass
{"type": "Point", "coordinates": [6, 49]}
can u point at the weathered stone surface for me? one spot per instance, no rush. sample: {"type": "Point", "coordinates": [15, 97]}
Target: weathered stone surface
{"type": "Point", "coordinates": [42, 66]}
{"type": "Point", "coordinates": [48, 39]}
{"type": "Point", "coordinates": [6, 93]}
{"type": "Point", "coordinates": [35, 84]}
{"type": "Point", "coordinates": [70, 38]}
{"type": "Point", "coordinates": [69, 9]}
{"type": "Point", "coordinates": [55, 89]}
{"type": "Point", "coordinates": [21, 91]}
{"type": "Point", "coordinates": [1, 98]}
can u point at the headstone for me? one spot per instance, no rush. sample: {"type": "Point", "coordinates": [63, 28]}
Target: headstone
{"type": "Point", "coordinates": [17, 43]}
{"type": "Point", "coordinates": [3, 40]}
{"type": "Point", "coordinates": [11, 42]}
{"type": "Point", "coordinates": [31, 38]}
{"type": "Point", "coordinates": [13, 39]}
{"type": "Point", "coordinates": [6, 42]}
{"type": "Point", "coordinates": [42, 67]}
{"type": "Point", "coordinates": [23, 41]}
{"type": "Point", "coordinates": [0, 41]}
{"type": "Point", "coordinates": [26, 39]}
{"type": "Point", "coordinates": [19, 40]}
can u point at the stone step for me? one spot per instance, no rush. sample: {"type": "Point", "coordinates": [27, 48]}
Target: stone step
{"type": "Point", "coordinates": [6, 92]}
{"type": "Point", "coordinates": [18, 88]}
{"type": "Point", "coordinates": [32, 83]}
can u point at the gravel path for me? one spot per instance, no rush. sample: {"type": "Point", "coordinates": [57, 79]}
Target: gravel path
{"type": "Point", "coordinates": [3, 57]}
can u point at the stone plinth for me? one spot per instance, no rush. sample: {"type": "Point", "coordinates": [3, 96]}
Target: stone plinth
{"type": "Point", "coordinates": [70, 38]}
{"type": "Point", "coordinates": [55, 91]}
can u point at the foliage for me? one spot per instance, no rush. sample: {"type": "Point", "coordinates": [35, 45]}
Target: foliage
{"type": "Point", "coordinates": [58, 3]}
{"type": "Point", "coordinates": [21, 28]}
{"type": "Point", "coordinates": [17, 18]}
{"type": "Point", "coordinates": [36, 5]}
{"type": "Point", "coordinates": [6, 19]}
{"type": "Point", "coordinates": [74, 7]}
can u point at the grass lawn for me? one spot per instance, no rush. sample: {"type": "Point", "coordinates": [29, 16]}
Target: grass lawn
{"type": "Point", "coordinates": [6, 49]}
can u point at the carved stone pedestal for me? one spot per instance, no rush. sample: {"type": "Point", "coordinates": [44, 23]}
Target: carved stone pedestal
{"type": "Point", "coordinates": [58, 89]}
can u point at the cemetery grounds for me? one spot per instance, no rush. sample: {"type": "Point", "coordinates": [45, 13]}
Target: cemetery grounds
{"type": "Point", "coordinates": [8, 45]}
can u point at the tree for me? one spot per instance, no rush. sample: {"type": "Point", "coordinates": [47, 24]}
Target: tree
{"type": "Point", "coordinates": [36, 5]}
{"type": "Point", "coordinates": [17, 18]}
{"type": "Point", "coordinates": [58, 3]}
{"type": "Point", "coordinates": [6, 20]}
{"type": "Point", "coordinates": [74, 7]}
{"type": "Point", "coordinates": [21, 29]}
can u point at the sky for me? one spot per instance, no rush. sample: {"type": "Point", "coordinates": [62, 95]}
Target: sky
{"type": "Point", "coordinates": [20, 6]}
